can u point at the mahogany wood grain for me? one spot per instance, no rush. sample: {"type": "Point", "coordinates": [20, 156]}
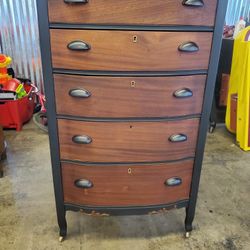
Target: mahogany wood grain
{"type": "Point", "coordinates": [127, 141]}
{"type": "Point", "coordinates": [140, 12]}
{"type": "Point", "coordinates": [119, 97]}
{"type": "Point", "coordinates": [114, 186]}
{"type": "Point", "coordinates": [116, 50]}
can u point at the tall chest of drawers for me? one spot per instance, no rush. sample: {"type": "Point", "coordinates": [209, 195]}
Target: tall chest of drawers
{"type": "Point", "coordinates": [129, 88]}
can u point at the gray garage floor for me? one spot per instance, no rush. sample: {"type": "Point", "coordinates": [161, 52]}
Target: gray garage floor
{"type": "Point", "coordinates": [28, 219]}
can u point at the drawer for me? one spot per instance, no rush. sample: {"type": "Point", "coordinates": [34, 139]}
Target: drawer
{"type": "Point", "coordinates": [126, 185]}
{"type": "Point", "coordinates": [127, 141]}
{"type": "Point", "coordinates": [119, 97]}
{"type": "Point", "coordinates": [139, 12]}
{"type": "Point", "coordinates": [130, 50]}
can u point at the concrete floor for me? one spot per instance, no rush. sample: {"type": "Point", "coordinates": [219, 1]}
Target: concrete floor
{"type": "Point", "coordinates": [28, 219]}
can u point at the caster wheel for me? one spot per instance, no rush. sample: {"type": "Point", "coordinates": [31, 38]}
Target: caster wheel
{"type": "Point", "coordinates": [61, 239]}
{"type": "Point", "coordinates": [212, 127]}
{"type": "Point", "coordinates": [187, 235]}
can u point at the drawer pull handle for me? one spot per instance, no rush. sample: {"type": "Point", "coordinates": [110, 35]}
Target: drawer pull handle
{"type": "Point", "coordinates": [174, 181]}
{"type": "Point", "coordinates": [81, 139]}
{"type": "Point", "coordinates": [183, 93]}
{"type": "Point", "coordinates": [188, 47]}
{"type": "Point", "coordinates": [76, 1]}
{"type": "Point", "coordinates": [83, 183]}
{"type": "Point", "coordinates": [79, 93]}
{"type": "Point", "coordinates": [178, 138]}
{"type": "Point", "coordinates": [79, 46]}
{"type": "Point", "coordinates": [193, 3]}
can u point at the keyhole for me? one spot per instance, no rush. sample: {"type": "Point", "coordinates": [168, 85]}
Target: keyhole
{"type": "Point", "coordinates": [129, 171]}
{"type": "Point", "coordinates": [133, 84]}
{"type": "Point", "coordinates": [135, 39]}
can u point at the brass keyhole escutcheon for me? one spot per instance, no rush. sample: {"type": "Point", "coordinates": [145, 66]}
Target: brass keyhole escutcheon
{"type": "Point", "coordinates": [133, 84]}
{"type": "Point", "coordinates": [135, 39]}
{"type": "Point", "coordinates": [129, 171]}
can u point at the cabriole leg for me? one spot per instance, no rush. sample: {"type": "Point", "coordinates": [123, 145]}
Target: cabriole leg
{"type": "Point", "coordinates": [62, 226]}
{"type": "Point", "coordinates": [188, 222]}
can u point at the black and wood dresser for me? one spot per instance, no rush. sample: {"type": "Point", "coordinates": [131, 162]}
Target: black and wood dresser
{"type": "Point", "coordinates": [129, 87]}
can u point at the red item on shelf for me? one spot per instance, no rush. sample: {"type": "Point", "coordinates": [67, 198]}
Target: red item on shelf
{"type": "Point", "coordinates": [14, 113]}
{"type": "Point", "coordinates": [11, 85]}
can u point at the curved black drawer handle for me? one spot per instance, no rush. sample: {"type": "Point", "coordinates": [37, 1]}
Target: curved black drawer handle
{"type": "Point", "coordinates": [79, 93]}
{"type": "Point", "coordinates": [81, 139]}
{"type": "Point", "coordinates": [178, 138]}
{"type": "Point", "coordinates": [76, 1]}
{"type": "Point", "coordinates": [83, 183]}
{"type": "Point", "coordinates": [189, 47]}
{"type": "Point", "coordinates": [183, 93]}
{"type": "Point", "coordinates": [174, 181]}
{"type": "Point", "coordinates": [79, 46]}
{"type": "Point", "coordinates": [193, 3]}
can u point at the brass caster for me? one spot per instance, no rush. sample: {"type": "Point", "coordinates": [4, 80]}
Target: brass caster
{"type": "Point", "coordinates": [61, 239]}
{"type": "Point", "coordinates": [187, 235]}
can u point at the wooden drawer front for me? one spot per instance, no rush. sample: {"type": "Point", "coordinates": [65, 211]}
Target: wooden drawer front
{"type": "Point", "coordinates": [118, 97]}
{"type": "Point", "coordinates": [171, 12]}
{"type": "Point", "coordinates": [129, 50]}
{"type": "Point", "coordinates": [126, 185]}
{"type": "Point", "coordinates": [127, 141]}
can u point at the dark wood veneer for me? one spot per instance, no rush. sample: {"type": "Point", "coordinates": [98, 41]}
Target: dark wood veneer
{"type": "Point", "coordinates": [160, 12]}
{"type": "Point", "coordinates": [119, 97]}
{"type": "Point", "coordinates": [116, 50]}
{"type": "Point", "coordinates": [127, 185]}
{"type": "Point", "coordinates": [127, 141]}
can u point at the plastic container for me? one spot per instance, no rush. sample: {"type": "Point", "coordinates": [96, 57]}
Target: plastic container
{"type": "Point", "coordinates": [239, 85]}
{"type": "Point", "coordinates": [14, 113]}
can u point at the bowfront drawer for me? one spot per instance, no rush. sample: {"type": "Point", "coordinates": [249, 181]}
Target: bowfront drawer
{"type": "Point", "coordinates": [126, 185]}
{"type": "Point", "coordinates": [119, 97]}
{"type": "Point", "coordinates": [127, 141]}
{"type": "Point", "coordinates": [140, 12]}
{"type": "Point", "coordinates": [130, 50]}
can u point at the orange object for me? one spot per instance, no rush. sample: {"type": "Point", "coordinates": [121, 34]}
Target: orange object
{"type": "Point", "coordinates": [11, 85]}
{"type": "Point", "coordinates": [224, 90]}
{"type": "Point", "coordinates": [5, 61]}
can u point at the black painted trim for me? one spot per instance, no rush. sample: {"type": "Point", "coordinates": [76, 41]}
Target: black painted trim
{"type": "Point", "coordinates": [207, 105]}
{"type": "Point", "coordinates": [133, 210]}
{"type": "Point", "coordinates": [127, 119]}
{"type": "Point", "coordinates": [130, 73]}
{"type": "Point", "coordinates": [105, 164]}
{"type": "Point", "coordinates": [177, 28]}
{"type": "Point", "coordinates": [44, 36]}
